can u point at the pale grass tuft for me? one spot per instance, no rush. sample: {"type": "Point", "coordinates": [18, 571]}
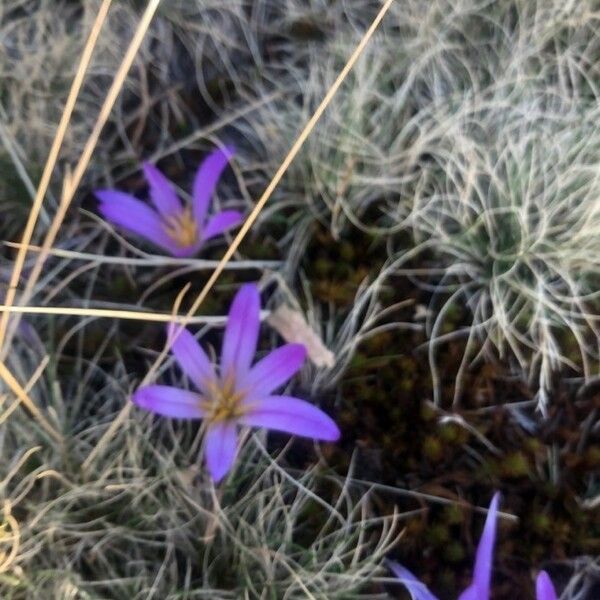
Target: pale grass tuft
{"type": "Point", "coordinates": [144, 520]}
{"type": "Point", "coordinates": [512, 222]}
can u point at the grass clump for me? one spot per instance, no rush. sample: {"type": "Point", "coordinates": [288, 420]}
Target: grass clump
{"type": "Point", "coordinates": [510, 225]}
{"type": "Point", "coordinates": [145, 520]}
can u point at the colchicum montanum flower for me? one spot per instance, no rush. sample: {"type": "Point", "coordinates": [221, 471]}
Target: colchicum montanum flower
{"type": "Point", "coordinates": [238, 394]}
{"type": "Point", "coordinates": [178, 229]}
{"type": "Point", "coordinates": [482, 572]}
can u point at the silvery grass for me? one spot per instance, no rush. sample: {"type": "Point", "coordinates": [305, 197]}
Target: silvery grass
{"type": "Point", "coordinates": [509, 215]}
{"type": "Point", "coordinates": [360, 166]}
{"type": "Point", "coordinates": [145, 520]}
{"type": "Point", "coordinates": [348, 165]}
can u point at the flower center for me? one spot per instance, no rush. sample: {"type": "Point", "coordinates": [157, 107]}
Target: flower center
{"type": "Point", "coordinates": [181, 228]}
{"type": "Point", "coordinates": [223, 402]}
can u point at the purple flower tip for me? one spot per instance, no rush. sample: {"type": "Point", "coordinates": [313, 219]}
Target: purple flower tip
{"type": "Point", "coordinates": [418, 590]}
{"type": "Point", "coordinates": [544, 588]}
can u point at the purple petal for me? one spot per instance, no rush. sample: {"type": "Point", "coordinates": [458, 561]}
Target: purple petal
{"type": "Point", "coordinates": [418, 590]}
{"type": "Point", "coordinates": [220, 448]}
{"type": "Point", "coordinates": [206, 181]}
{"type": "Point", "coordinates": [162, 194]}
{"type": "Point", "coordinates": [190, 356]}
{"type": "Point", "coordinates": [482, 573]}
{"type": "Point", "coordinates": [291, 415]}
{"type": "Point", "coordinates": [135, 216]}
{"type": "Point", "coordinates": [221, 222]}
{"type": "Point", "coordinates": [273, 370]}
{"type": "Point", "coordinates": [186, 251]}
{"type": "Point", "coordinates": [169, 401]}
{"type": "Point", "coordinates": [241, 333]}
{"type": "Point", "coordinates": [471, 593]}
{"type": "Point", "coordinates": [543, 587]}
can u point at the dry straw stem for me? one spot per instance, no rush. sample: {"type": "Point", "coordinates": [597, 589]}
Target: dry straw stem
{"type": "Point", "coordinates": [22, 396]}
{"type": "Point", "coordinates": [108, 313]}
{"type": "Point", "coordinates": [120, 418]}
{"type": "Point", "coordinates": [51, 161]}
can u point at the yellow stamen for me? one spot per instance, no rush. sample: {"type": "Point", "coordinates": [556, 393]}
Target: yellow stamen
{"type": "Point", "coordinates": [223, 402]}
{"type": "Point", "coordinates": [182, 228]}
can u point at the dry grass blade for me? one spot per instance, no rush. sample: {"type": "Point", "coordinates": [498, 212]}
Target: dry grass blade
{"type": "Point", "coordinates": [51, 162]}
{"type": "Point", "coordinates": [14, 538]}
{"type": "Point", "coordinates": [107, 313]}
{"type": "Point", "coordinates": [22, 396]}
{"type": "Point", "coordinates": [253, 215]}
{"type": "Point", "coordinates": [151, 260]}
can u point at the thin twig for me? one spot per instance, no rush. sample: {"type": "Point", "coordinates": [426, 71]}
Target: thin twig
{"type": "Point", "coordinates": [151, 261]}
{"type": "Point", "coordinates": [107, 313]}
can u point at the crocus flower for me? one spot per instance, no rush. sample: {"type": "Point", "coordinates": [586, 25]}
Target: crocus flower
{"type": "Point", "coordinates": [480, 588]}
{"type": "Point", "coordinates": [238, 394]}
{"type": "Point", "coordinates": [544, 589]}
{"type": "Point", "coordinates": [178, 229]}
{"type": "Point", "coordinates": [482, 572]}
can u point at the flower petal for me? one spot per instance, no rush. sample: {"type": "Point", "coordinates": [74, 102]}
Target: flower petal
{"type": "Point", "coordinates": [241, 333]}
{"type": "Point", "coordinates": [220, 448]}
{"type": "Point", "coordinates": [544, 588]}
{"type": "Point", "coordinates": [418, 590]}
{"type": "Point", "coordinates": [273, 370]}
{"type": "Point", "coordinates": [135, 216]}
{"type": "Point", "coordinates": [221, 222]}
{"type": "Point", "coordinates": [206, 181]}
{"type": "Point", "coordinates": [292, 415]}
{"type": "Point", "coordinates": [482, 572]}
{"type": "Point", "coordinates": [471, 594]}
{"type": "Point", "coordinates": [169, 401]}
{"type": "Point", "coordinates": [162, 194]}
{"type": "Point", "coordinates": [190, 356]}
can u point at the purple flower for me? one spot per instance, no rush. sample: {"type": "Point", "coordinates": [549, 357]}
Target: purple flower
{"type": "Point", "coordinates": [178, 229]}
{"type": "Point", "coordinates": [544, 589]}
{"type": "Point", "coordinates": [482, 572]}
{"type": "Point", "coordinates": [482, 575]}
{"type": "Point", "coordinates": [239, 394]}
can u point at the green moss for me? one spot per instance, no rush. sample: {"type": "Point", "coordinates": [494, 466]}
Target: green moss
{"type": "Point", "coordinates": [541, 523]}
{"type": "Point", "coordinates": [438, 534]}
{"type": "Point", "coordinates": [454, 552]}
{"type": "Point", "coordinates": [453, 514]}
{"type": "Point", "coordinates": [453, 433]}
{"type": "Point", "coordinates": [433, 449]}
{"type": "Point", "coordinates": [515, 465]}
